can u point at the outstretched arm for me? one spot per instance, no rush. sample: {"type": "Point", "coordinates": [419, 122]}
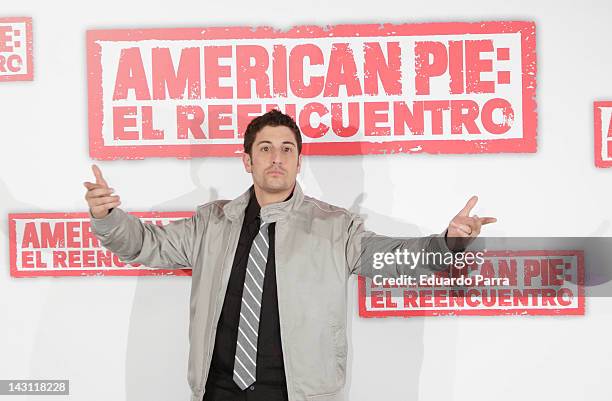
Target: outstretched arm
{"type": "Point", "coordinates": [366, 251]}
{"type": "Point", "coordinates": [168, 246]}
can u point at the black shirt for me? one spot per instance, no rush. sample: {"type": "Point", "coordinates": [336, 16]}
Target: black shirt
{"type": "Point", "coordinates": [270, 384]}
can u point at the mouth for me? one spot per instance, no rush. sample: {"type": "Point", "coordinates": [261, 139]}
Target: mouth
{"type": "Point", "coordinates": [276, 172]}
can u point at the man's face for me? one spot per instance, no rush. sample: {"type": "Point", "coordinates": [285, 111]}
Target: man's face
{"type": "Point", "coordinates": [275, 162]}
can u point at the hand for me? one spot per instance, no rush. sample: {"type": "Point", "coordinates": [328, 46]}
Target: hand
{"type": "Point", "coordinates": [463, 229]}
{"type": "Point", "coordinates": [98, 195]}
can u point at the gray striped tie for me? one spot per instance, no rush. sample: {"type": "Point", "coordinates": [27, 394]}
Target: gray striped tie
{"type": "Point", "coordinates": [246, 346]}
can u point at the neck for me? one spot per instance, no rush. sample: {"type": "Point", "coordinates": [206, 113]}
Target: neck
{"type": "Point", "coordinates": [267, 198]}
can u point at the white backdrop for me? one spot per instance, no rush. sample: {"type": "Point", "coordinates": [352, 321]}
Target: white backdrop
{"type": "Point", "coordinates": [125, 338]}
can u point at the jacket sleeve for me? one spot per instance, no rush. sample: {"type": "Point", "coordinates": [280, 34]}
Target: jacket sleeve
{"type": "Point", "coordinates": [167, 246]}
{"type": "Point", "coordinates": [363, 244]}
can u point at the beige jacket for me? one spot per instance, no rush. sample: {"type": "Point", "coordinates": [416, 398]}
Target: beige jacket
{"type": "Point", "coordinates": [318, 246]}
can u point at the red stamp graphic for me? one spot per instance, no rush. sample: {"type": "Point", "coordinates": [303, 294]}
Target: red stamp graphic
{"type": "Point", "coordinates": [16, 49]}
{"type": "Point", "coordinates": [603, 133]}
{"type": "Point", "coordinates": [505, 283]}
{"type": "Point", "coordinates": [62, 244]}
{"type": "Point", "coordinates": [353, 89]}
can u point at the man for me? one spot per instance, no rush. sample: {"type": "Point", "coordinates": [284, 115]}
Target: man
{"type": "Point", "coordinates": [270, 270]}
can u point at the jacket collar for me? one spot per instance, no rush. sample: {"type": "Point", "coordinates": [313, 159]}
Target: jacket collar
{"type": "Point", "coordinates": [234, 209]}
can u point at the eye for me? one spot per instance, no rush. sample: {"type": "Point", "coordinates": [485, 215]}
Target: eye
{"type": "Point", "coordinates": [287, 149]}
{"type": "Point", "coordinates": [265, 148]}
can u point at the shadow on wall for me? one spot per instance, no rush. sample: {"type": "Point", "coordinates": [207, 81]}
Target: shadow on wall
{"type": "Point", "coordinates": [344, 179]}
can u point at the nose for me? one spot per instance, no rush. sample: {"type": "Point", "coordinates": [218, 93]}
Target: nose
{"type": "Point", "coordinates": [276, 157]}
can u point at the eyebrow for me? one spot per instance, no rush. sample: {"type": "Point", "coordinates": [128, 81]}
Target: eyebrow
{"type": "Point", "coordinates": [284, 143]}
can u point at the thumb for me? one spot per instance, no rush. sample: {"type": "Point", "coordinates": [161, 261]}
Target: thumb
{"type": "Point", "coordinates": [98, 174]}
{"type": "Point", "coordinates": [468, 206]}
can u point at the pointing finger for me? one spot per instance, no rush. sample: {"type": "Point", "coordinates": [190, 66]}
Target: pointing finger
{"type": "Point", "coordinates": [468, 206]}
{"type": "Point", "coordinates": [98, 174]}
{"type": "Point", "coordinates": [487, 220]}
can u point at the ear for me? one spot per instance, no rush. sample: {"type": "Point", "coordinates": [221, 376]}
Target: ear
{"type": "Point", "coordinates": [246, 160]}
{"type": "Point", "coordinates": [299, 165]}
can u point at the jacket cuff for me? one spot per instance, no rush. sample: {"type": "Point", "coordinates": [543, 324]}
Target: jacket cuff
{"type": "Point", "coordinates": [438, 243]}
{"type": "Point", "coordinates": [107, 223]}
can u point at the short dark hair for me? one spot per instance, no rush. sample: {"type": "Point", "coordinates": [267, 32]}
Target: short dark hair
{"type": "Point", "coordinates": [273, 118]}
